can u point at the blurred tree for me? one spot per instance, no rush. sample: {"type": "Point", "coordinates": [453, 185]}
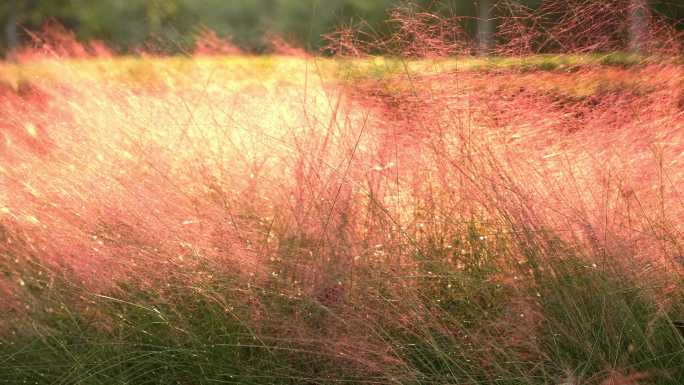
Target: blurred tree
{"type": "Point", "coordinates": [159, 13]}
{"type": "Point", "coordinates": [17, 15]}
{"type": "Point", "coordinates": [306, 20]}
{"type": "Point", "coordinates": [485, 28]}
{"type": "Point", "coordinates": [638, 10]}
{"type": "Point", "coordinates": [172, 24]}
{"type": "Point", "coordinates": [122, 25]}
{"type": "Point", "coordinates": [243, 21]}
{"type": "Point", "coordinates": [10, 9]}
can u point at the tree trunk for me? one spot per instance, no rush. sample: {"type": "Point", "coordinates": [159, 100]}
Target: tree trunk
{"type": "Point", "coordinates": [485, 27]}
{"type": "Point", "coordinates": [638, 25]}
{"type": "Point", "coordinates": [11, 32]}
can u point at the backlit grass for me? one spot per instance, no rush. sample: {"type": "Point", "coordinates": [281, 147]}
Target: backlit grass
{"type": "Point", "coordinates": [260, 220]}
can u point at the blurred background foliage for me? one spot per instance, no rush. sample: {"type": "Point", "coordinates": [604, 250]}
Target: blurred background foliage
{"type": "Point", "coordinates": [171, 25]}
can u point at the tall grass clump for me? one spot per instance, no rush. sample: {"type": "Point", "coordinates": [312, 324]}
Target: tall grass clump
{"type": "Point", "coordinates": [426, 217]}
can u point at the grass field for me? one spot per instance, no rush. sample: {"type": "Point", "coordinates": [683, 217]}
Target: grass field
{"type": "Point", "coordinates": [281, 219]}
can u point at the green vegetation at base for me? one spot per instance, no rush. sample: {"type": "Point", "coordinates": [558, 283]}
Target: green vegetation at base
{"type": "Point", "coordinates": [562, 321]}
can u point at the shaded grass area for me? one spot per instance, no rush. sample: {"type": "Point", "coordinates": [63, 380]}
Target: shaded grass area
{"type": "Point", "coordinates": [187, 334]}
{"type": "Point", "coordinates": [382, 67]}
{"type": "Point", "coordinates": [562, 321]}
{"type": "Point", "coordinates": [563, 78]}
